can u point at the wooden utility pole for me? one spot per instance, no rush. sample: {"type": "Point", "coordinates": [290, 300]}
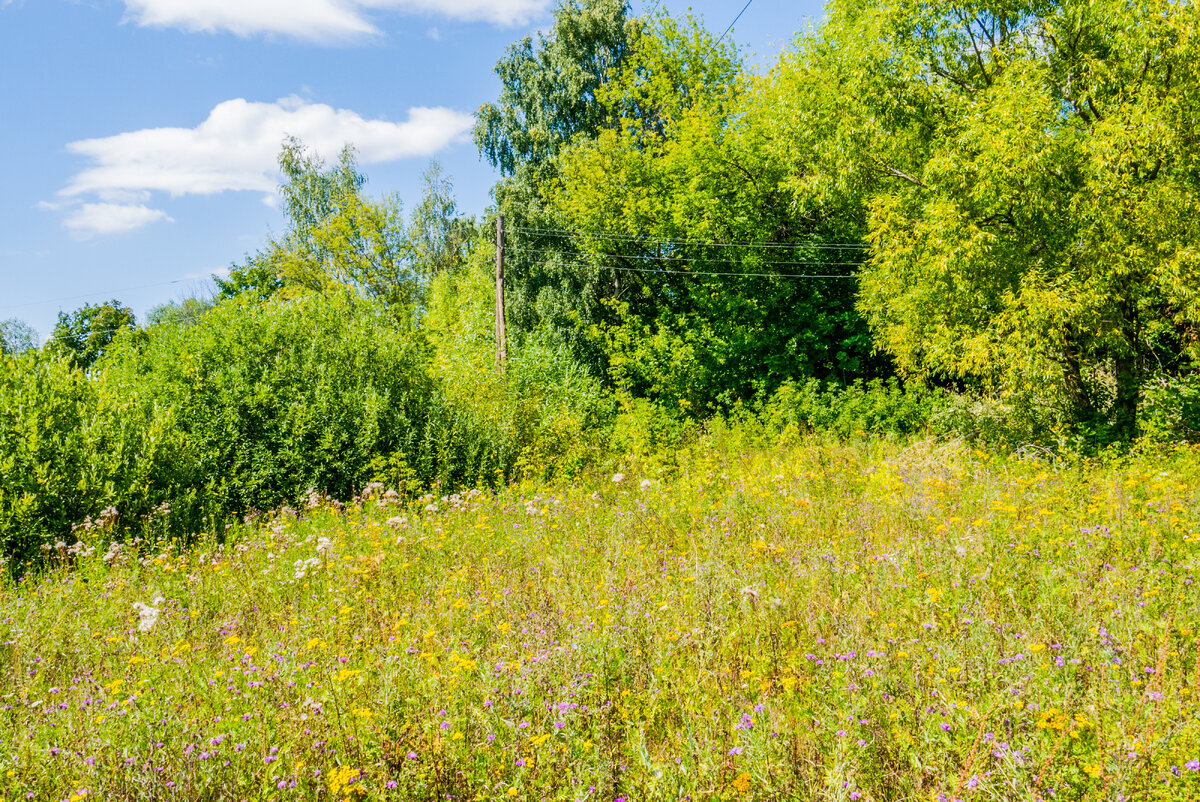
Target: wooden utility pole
{"type": "Point", "coordinates": [501, 329]}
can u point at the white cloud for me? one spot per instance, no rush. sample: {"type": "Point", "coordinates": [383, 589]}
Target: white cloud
{"type": "Point", "coordinates": [111, 218]}
{"type": "Point", "coordinates": [236, 148]}
{"type": "Point", "coordinates": [317, 20]}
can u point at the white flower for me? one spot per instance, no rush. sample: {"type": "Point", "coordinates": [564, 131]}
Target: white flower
{"type": "Point", "coordinates": [147, 616]}
{"type": "Point", "coordinates": [645, 485]}
{"type": "Point", "coordinates": [618, 478]}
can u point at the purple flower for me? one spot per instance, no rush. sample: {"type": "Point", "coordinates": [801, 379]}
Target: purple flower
{"type": "Point", "coordinates": [737, 750]}
{"type": "Point", "coordinates": [1192, 765]}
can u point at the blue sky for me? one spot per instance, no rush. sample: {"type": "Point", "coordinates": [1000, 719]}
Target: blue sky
{"type": "Point", "coordinates": [138, 136]}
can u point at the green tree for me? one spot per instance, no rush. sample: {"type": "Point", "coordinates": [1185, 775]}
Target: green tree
{"type": "Point", "coordinates": [83, 335]}
{"type": "Point", "coordinates": [183, 312]}
{"type": "Point", "coordinates": [1028, 172]}
{"type": "Point", "coordinates": [336, 237]}
{"type": "Point", "coordinates": [549, 96]}
{"type": "Point", "coordinates": [16, 337]}
{"type": "Point", "coordinates": [707, 267]}
{"type": "Point", "coordinates": [439, 237]}
{"type": "Point", "coordinates": [256, 277]}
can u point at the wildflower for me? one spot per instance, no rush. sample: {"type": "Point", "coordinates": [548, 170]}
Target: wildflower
{"type": "Point", "coordinates": [737, 750]}
{"type": "Point", "coordinates": [147, 616]}
{"type": "Point", "coordinates": [742, 783]}
{"type": "Point", "coordinates": [618, 478]}
{"type": "Point", "coordinates": [645, 484]}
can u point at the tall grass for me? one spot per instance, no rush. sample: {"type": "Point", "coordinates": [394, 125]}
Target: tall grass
{"type": "Point", "coordinates": [824, 620]}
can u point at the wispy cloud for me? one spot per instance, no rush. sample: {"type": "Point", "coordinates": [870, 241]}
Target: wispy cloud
{"type": "Point", "coordinates": [90, 219]}
{"type": "Point", "coordinates": [235, 148]}
{"type": "Point", "coordinates": [324, 21]}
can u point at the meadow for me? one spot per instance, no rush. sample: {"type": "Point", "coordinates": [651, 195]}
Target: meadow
{"type": "Point", "coordinates": [819, 619]}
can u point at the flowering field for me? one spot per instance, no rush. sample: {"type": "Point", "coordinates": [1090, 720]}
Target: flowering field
{"type": "Point", "coordinates": [815, 621]}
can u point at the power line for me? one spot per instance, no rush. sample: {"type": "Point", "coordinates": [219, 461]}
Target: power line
{"type": "Point", "coordinates": [730, 273]}
{"type": "Point", "coordinates": [691, 242]}
{"type": "Point", "coordinates": [95, 294]}
{"type": "Point", "coordinates": [735, 19]}
{"type": "Point", "coordinates": [683, 261]}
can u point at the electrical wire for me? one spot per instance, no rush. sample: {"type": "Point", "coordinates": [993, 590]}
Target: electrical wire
{"type": "Point", "coordinates": [698, 243]}
{"type": "Point", "coordinates": [682, 261]}
{"type": "Point", "coordinates": [727, 273]}
{"type": "Point", "coordinates": [97, 294]}
{"type": "Point", "coordinates": [735, 19]}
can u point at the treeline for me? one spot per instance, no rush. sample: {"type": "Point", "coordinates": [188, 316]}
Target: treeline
{"type": "Point", "coordinates": [948, 217]}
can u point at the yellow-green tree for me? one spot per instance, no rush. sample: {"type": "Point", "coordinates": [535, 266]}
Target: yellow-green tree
{"type": "Point", "coordinates": [1028, 173]}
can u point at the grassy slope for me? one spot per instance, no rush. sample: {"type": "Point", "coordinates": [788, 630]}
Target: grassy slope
{"type": "Point", "coordinates": [813, 621]}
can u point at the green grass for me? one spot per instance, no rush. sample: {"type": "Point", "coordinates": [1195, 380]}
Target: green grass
{"type": "Point", "coordinates": [812, 621]}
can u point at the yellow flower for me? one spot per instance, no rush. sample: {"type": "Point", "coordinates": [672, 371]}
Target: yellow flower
{"type": "Point", "coordinates": [742, 783]}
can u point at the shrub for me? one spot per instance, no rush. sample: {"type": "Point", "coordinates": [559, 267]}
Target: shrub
{"type": "Point", "coordinates": [69, 448]}
{"type": "Point", "coordinates": [279, 397]}
{"type": "Point", "coordinates": [874, 407]}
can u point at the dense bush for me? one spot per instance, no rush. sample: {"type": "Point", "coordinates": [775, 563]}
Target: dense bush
{"type": "Point", "coordinates": [253, 404]}
{"type": "Point", "coordinates": [543, 414]}
{"type": "Point", "coordinates": [277, 398]}
{"type": "Point", "coordinates": [874, 407]}
{"type": "Point", "coordinates": [70, 447]}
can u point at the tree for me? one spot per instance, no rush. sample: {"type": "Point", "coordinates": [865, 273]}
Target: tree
{"type": "Point", "coordinates": [16, 337]}
{"type": "Point", "coordinates": [83, 335]}
{"type": "Point", "coordinates": [257, 277]}
{"type": "Point", "coordinates": [549, 92]}
{"type": "Point", "coordinates": [336, 237]}
{"type": "Point", "coordinates": [704, 263]}
{"type": "Point", "coordinates": [438, 236]}
{"type": "Point", "coordinates": [1028, 173]}
{"type": "Point", "coordinates": [549, 97]}
{"type": "Point", "coordinates": [184, 312]}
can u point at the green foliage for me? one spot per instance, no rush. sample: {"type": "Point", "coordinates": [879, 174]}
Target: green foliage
{"type": "Point", "coordinates": [182, 312]}
{"type": "Point", "coordinates": [257, 277]}
{"type": "Point", "coordinates": [336, 237]}
{"type": "Point", "coordinates": [1029, 172]}
{"type": "Point", "coordinates": [548, 93]}
{"type": "Point", "coordinates": [83, 335]}
{"type": "Point", "coordinates": [544, 415]}
{"type": "Point", "coordinates": [16, 337]}
{"type": "Point", "coordinates": [715, 287]}
{"type": "Point", "coordinates": [71, 446]}
{"type": "Point", "coordinates": [438, 236]}
{"type": "Point", "coordinates": [550, 96]}
{"type": "Point", "coordinates": [874, 407]}
{"type": "Point", "coordinates": [280, 397]}
{"type": "Point", "coordinates": [650, 435]}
